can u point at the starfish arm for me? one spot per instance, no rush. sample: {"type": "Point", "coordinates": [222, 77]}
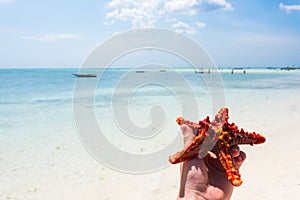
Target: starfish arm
{"type": "Point", "coordinates": [190, 151]}
{"type": "Point", "coordinates": [241, 137]}
{"type": "Point", "coordinates": [194, 126]}
{"type": "Point", "coordinates": [200, 130]}
{"type": "Point", "coordinates": [227, 161]}
{"type": "Point", "coordinates": [251, 140]}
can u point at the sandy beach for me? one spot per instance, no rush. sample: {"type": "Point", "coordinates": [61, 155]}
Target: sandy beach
{"type": "Point", "coordinates": [43, 158]}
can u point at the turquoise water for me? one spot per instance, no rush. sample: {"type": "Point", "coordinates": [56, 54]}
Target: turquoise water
{"type": "Point", "coordinates": [29, 94]}
{"type": "Point", "coordinates": [263, 80]}
{"type": "Point", "coordinates": [55, 86]}
{"type": "Point", "coordinates": [37, 86]}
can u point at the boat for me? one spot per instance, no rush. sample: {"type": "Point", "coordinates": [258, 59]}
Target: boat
{"type": "Point", "coordinates": [85, 75]}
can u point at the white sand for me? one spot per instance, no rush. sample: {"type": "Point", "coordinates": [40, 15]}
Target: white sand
{"type": "Point", "coordinates": [45, 166]}
{"type": "Point", "coordinates": [271, 170]}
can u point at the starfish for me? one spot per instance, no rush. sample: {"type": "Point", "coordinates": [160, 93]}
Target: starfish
{"type": "Point", "coordinates": [220, 136]}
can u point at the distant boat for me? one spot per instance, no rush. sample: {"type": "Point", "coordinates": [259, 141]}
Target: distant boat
{"type": "Point", "coordinates": [140, 71]}
{"type": "Point", "coordinates": [289, 68]}
{"type": "Point", "coordinates": [238, 69]}
{"type": "Point", "coordinates": [85, 75]}
{"type": "Point", "coordinates": [199, 72]}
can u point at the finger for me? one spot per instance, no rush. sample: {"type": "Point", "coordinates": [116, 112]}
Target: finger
{"type": "Point", "coordinates": [235, 151]}
{"type": "Point", "coordinates": [240, 159]}
{"type": "Point", "coordinates": [188, 134]}
{"type": "Point", "coordinates": [212, 155]}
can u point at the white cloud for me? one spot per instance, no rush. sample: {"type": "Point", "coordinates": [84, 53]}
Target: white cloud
{"type": "Point", "coordinates": [182, 27]}
{"type": "Point", "coordinates": [200, 24]}
{"type": "Point", "coordinates": [6, 1]}
{"type": "Point", "coordinates": [183, 6]}
{"type": "Point", "coordinates": [146, 13]}
{"type": "Point", "coordinates": [51, 37]}
{"type": "Point", "coordinates": [223, 4]}
{"type": "Point", "coordinates": [289, 8]}
{"type": "Point", "coordinates": [140, 13]}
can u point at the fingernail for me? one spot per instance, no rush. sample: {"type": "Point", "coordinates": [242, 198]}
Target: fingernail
{"type": "Point", "coordinates": [238, 160]}
{"type": "Point", "coordinates": [234, 151]}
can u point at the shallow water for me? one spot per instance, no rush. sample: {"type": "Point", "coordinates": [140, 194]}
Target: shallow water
{"type": "Point", "coordinates": [44, 97]}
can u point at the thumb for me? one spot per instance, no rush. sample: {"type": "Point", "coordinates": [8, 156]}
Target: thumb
{"type": "Point", "coordinates": [193, 171]}
{"type": "Point", "coordinates": [188, 134]}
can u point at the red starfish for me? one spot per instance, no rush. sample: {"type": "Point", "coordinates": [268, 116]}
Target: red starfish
{"type": "Point", "coordinates": [221, 135]}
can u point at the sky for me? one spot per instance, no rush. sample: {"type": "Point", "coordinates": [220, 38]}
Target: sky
{"type": "Point", "coordinates": [52, 33]}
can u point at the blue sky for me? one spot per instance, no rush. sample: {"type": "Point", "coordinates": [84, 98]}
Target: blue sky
{"type": "Point", "coordinates": [52, 33]}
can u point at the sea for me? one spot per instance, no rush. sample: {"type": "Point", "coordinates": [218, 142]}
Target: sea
{"type": "Point", "coordinates": [41, 122]}
{"type": "Point", "coordinates": [35, 99]}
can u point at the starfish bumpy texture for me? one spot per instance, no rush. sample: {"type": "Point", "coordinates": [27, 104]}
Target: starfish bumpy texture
{"type": "Point", "coordinates": [223, 135]}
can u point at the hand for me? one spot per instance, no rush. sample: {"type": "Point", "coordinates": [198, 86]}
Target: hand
{"type": "Point", "coordinates": [205, 178]}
